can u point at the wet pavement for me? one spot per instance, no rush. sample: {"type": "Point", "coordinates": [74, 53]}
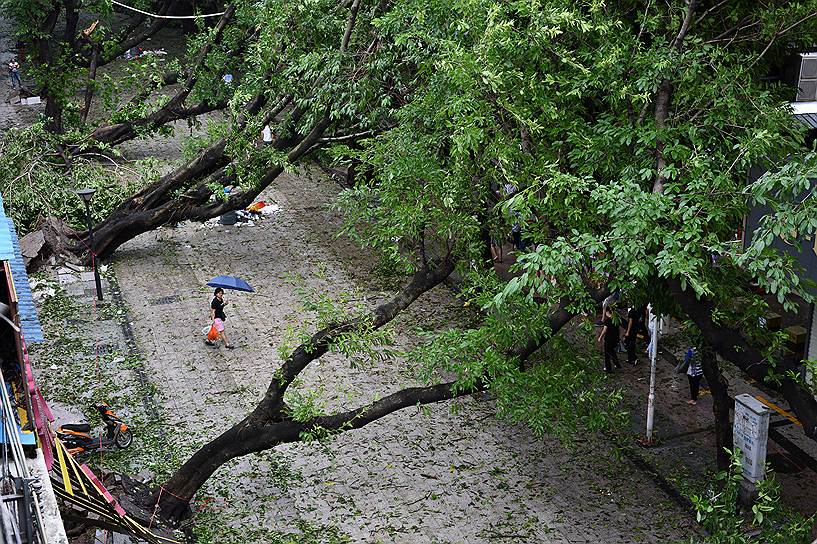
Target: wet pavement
{"type": "Point", "coordinates": [410, 477]}
{"type": "Point", "coordinates": [444, 476]}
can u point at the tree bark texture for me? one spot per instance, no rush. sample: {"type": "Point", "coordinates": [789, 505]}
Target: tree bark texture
{"type": "Point", "coordinates": [251, 436]}
{"type": "Point", "coordinates": [134, 217]}
{"type": "Point", "coordinates": [722, 403]}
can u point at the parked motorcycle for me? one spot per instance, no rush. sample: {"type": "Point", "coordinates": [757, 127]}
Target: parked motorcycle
{"type": "Point", "coordinates": [78, 439]}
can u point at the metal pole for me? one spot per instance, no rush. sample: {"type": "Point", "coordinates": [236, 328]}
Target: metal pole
{"type": "Point", "coordinates": [655, 322]}
{"type": "Point", "coordinates": [93, 249]}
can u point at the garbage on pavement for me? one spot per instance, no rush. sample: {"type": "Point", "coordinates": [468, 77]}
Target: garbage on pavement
{"type": "Point", "coordinates": [244, 218]}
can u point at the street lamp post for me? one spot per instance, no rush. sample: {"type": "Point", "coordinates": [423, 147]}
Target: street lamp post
{"type": "Point", "coordinates": [655, 322]}
{"type": "Point", "coordinates": [86, 195]}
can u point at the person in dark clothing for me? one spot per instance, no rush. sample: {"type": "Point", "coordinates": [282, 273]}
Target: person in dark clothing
{"type": "Point", "coordinates": [610, 335]}
{"type": "Point", "coordinates": [14, 73]}
{"type": "Point", "coordinates": [635, 325]}
{"type": "Point", "coordinates": [694, 373]}
{"type": "Point", "coordinates": [218, 317]}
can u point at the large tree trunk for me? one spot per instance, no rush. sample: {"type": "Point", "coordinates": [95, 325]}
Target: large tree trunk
{"type": "Point", "coordinates": [247, 436]}
{"type": "Point", "coordinates": [253, 435]}
{"type": "Point", "coordinates": [721, 405]}
{"type": "Point", "coordinates": [136, 217]}
{"type": "Point", "coordinates": [268, 424]}
{"type": "Point", "coordinates": [172, 111]}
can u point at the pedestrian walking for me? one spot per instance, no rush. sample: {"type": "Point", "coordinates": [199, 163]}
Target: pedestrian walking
{"type": "Point", "coordinates": [218, 317]}
{"type": "Point", "coordinates": [694, 373]}
{"type": "Point", "coordinates": [14, 73]}
{"type": "Point", "coordinates": [635, 325]}
{"type": "Point", "coordinates": [496, 247]}
{"type": "Point", "coordinates": [610, 335]}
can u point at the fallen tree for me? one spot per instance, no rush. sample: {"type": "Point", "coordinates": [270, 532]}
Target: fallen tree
{"type": "Point", "coordinates": [271, 422]}
{"type": "Point", "coordinates": [67, 60]}
{"type": "Point", "coordinates": [589, 204]}
{"type": "Point", "coordinates": [475, 122]}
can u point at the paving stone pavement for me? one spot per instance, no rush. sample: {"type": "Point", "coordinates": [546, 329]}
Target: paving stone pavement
{"type": "Point", "coordinates": [408, 478]}
{"type": "Point", "coordinates": [11, 113]}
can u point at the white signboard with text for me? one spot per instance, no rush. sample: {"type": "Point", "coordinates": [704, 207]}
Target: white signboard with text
{"type": "Point", "coordinates": [751, 430]}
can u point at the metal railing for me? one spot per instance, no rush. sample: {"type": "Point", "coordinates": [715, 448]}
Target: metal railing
{"type": "Point", "coordinates": [21, 520]}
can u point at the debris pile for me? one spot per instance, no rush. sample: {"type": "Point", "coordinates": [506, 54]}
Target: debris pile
{"type": "Point", "coordinates": [245, 218]}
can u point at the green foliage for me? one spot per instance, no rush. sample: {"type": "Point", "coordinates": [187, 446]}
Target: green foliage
{"type": "Point", "coordinates": [485, 114]}
{"type": "Point", "coordinates": [768, 521]}
{"type": "Point", "coordinates": [544, 115]}
{"type": "Point", "coordinates": [194, 144]}
{"type": "Point", "coordinates": [211, 528]}
{"type": "Point", "coordinates": [562, 395]}
{"type": "Point", "coordinates": [36, 182]}
{"type": "Point", "coordinates": [304, 405]}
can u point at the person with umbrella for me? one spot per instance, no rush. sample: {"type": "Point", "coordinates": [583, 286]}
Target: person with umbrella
{"type": "Point", "coordinates": [217, 317]}
{"type": "Point", "coordinates": [217, 305]}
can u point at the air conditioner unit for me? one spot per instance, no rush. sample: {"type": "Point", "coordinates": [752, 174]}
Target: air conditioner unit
{"type": "Point", "coordinates": [807, 80]}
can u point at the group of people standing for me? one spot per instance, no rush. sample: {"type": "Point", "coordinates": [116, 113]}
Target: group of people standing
{"type": "Point", "coordinates": [637, 317]}
{"type": "Point", "coordinates": [610, 335]}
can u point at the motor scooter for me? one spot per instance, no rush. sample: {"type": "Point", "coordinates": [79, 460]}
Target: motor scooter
{"type": "Point", "coordinates": [78, 439]}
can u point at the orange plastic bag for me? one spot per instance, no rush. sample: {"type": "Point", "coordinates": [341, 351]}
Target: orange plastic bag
{"type": "Point", "coordinates": [212, 334]}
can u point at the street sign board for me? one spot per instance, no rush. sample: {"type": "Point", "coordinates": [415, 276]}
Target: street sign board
{"type": "Point", "coordinates": [751, 432]}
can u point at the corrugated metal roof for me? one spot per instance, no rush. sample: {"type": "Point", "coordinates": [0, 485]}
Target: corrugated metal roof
{"type": "Point", "coordinates": [810, 119]}
{"type": "Point", "coordinates": [10, 251]}
{"type": "Point", "coordinates": [26, 309]}
{"type": "Point", "coordinates": [6, 246]}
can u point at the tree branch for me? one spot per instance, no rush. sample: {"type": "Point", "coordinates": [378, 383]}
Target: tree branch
{"type": "Point", "coordinates": [173, 110]}
{"type": "Point", "coordinates": [350, 24]}
{"type": "Point", "coordinates": [422, 281]}
{"type": "Point", "coordinates": [405, 398]}
{"type": "Point", "coordinates": [663, 99]}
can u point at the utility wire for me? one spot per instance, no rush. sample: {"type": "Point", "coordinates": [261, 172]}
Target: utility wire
{"type": "Point", "coordinates": [167, 16]}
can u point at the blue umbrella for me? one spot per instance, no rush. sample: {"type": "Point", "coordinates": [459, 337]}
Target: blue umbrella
{"type": "Point", "coordinates": [231, 282]}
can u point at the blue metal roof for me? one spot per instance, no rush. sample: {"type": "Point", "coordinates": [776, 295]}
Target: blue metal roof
{"type": "Point", "coordinates": [10, 251]}
{"type": "Point", "coordinates": [6, 245]}
{"type": "Point", "coordinates": [26, 310]}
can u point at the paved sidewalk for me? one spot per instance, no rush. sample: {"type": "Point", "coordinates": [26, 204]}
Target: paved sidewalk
{"type": "Point", "coordinates": [686, 433]}
{"type": "Point", "coordinates": [12, 114]}
{"type": "Point", "coordinates": [445, 477]}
